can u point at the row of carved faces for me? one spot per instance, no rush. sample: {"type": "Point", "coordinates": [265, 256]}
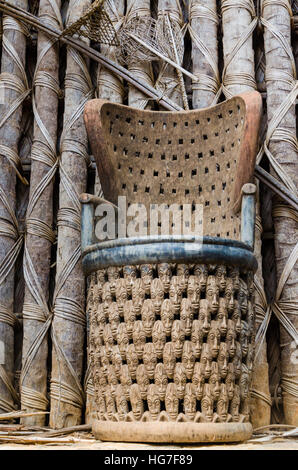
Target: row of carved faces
{"type": "Point", "coordinates": [206, 354]}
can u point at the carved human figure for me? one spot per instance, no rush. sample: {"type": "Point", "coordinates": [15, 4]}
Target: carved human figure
{"type": "Point", "coordinates": [235, 275]}
{"type": "Point", "coordinates": [237, 360]}
{"type": "Point", "coordinates": [102, 380]}
{"type": "Point", "coordinates": [129, 317]}
{"type": "Point", "coordinates": [197, 338]}
{"type": "Point", "coordinates": [204, 316]}
{"type": "Point", "coordinates": [180, 379]}
{"type": "Point", "coordinates": [244, 382]}
{"type": "Point", "coordinates": [157, 295]}
{"type": "Point", "coordinates": [186, 315]}
{"type": "Point", "coordinates": [167, 316]}
{"type": "Point", "coordinates": [108, 340]}
{"type": "Point", "coordinates": [230, 294]}
{"type": "Point", "coordinates": [205, 360]}
{"type": "Point", "coordinates": [129, 275]}
{"type": "Point", "coordinates": [207, 404]}
{"type": "Point", "coordinates": [214, 381]}
{"type": "Point", "coordinates": [244, 338]}
{"type": "Point", "coordinates": [189, 402]}
{"type": "Point", "coordinates": [146, 271]}
{"type": "Point", "coordinates": [175, 294]}
{"type": "Point", "coordinates": [231, 338]}
{"type": "Point", "coordinates": [149, 359]}
{"type": "Point", "coordinates": [159, 338]}
{"type": "Point", "coordinates": [116, 360]}
{"type": "Point", "coordinates": [194, 292]}
{"type": "Point", "coordinates": [139, 338]}
{"type": "Point", "coordinates": [122, 339]}
{"type": "Point", "coordinates": [198, 380]}
{"type": "Point", "coordinates": [101, 404]}
{"type": "Point", "coordinates": [221, 276]}
{"type": "Point", "coordinates": [213, 338]}
{"type": "Point", "coordinates": [182, 273]}
{"type": "Point", "coordinates": [100, 280]}
{"type": "Point", "coordinates": [230, 381]}
{"type": "Point", "coordinates": [212, 294]}
{"type": "Point", "coordinates": [110, 402]}
{"type": "Point", "coordinates": [121, 295]}
{"type": "Point", "coordinates": [104, 359]}
{"type": "Point", "coordinates": [250, 318]}
{"type": "Point", "coordinates": [169, 359]}
{"type": "Point", "coordinates": [132, 360]}
{"type": "Point", "coordinates": [201, 272]}
{"type": "Point", "coordinates": [107, 297]}
{"type": "Point", "coordinates": [250, 357]}
{"type": "Point", "coordinates": [164, 274]}
{"type": "Point", "coordinates": [142, 380]}
{"type": "Point", "coordinates": [236, 317]}
{"type": "Point", "coordinates": [235, 404]}
{"type": "Point", "coordinates": [136, 402]}
{"type": "Point", "coordinates": [148, 316]}
{"type": "Point", "coordinates": [243, 297]}
{"type": "Point", "coordinates": [121, 403]}
{"type": "Point", "coordinates": [223, 360]}
{"type": "Point", "coordinates": [178, 337]}
{"type": "Point", "coordinates": [153, 402]}
{"type": "Point", "coordinates": [172, 401]}
{"type": "Point", "coordinates": [101, 316]}
{"type": "Point", "coordinates": [114, 318]}
{"type": "Point", "coordinates": [125, 380]}
{"type": "Point", "coordinates": [222, 406]}
{"type": "Point", "coordinates": [188, 358]}
{"type": "Point", "coordinates": [97, 293]}
{"type": "Point", "coordinates": [113, 275]}
{"type": "Point", "coordinates": [112, 380]}
{"type": "Point", "coordinates": [222, 316]}
{"type": "Point", "coordinates": [160, 380]}
{"type": "Point", "coordinates": [138, 295]}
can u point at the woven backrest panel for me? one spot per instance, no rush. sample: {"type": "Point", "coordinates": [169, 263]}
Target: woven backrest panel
{"type": "Point", "coordinates": [177, 158]}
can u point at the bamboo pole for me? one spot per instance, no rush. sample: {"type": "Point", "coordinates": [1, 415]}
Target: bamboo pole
{"type": "Point", "coordinates": [142, 70]}
{"type": "Point", "coordinates": [109, 87]}
{"type": "Point", "coordinates": [14, 87]}
{"type": "Point", "coordinates": [167, 80]}
{"type": "Point", "coordinates": [238, 21]}
{"type": "Point", "coordinates": [68, 326]}
{"type": "Point", "coordinates": [281, 80]}
{"type": "Point", "coordinates": [203, 28]}
{"type": "Point", "coordinates": [39, 235]}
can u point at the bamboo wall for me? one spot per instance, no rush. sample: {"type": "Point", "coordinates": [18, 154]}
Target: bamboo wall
{"type": "Point", "coordinates": [232, 46]}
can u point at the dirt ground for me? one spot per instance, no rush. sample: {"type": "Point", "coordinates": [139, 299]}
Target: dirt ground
{"type": "Point", "coordinates": [87, 442]}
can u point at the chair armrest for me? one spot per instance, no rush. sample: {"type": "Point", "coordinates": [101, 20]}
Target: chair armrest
{"type": "Point", "coordinates": [89, 202]}
{"type": "Point", "coordinates": [248, 214]}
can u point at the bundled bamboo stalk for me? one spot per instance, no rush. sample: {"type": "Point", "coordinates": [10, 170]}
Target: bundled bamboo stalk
{"type": "Point", "coordinates": [168, 80]}
{"type": "Point", "coordinates": [39, 234]}
{"type": "Point", "coordinates": [142, 70]}
{"type": "Point", "coordinates": [239, 23]}
{"type": "Point", "coordinates": [203, 25]}
{"type": "Point", "coordinates": [109, 87]}
{"type": "Point", "coordinates": [68, 326]}
{"type": "Point", "coordinates": [281, 148]}
{"type": "Point", "coordinates": [14, 89]}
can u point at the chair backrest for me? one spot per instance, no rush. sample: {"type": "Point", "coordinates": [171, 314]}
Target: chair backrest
{"type": "Point", "coordinates": [194, 157]}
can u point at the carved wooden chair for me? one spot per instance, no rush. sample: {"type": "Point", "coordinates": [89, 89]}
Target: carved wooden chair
{"type": "Point", "coordinates": [202, 156]}
{"type": "Point", "coordinates": [174, 297]}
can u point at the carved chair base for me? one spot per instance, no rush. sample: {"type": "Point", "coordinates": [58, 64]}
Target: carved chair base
{"type": "Point", "coordinates": [187, 433]}
{"type": "Point", "coordinates": [171, 348]}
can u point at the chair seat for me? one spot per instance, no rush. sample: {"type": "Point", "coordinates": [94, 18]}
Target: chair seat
{"type": "Point", "coordinates": [184, 249]}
